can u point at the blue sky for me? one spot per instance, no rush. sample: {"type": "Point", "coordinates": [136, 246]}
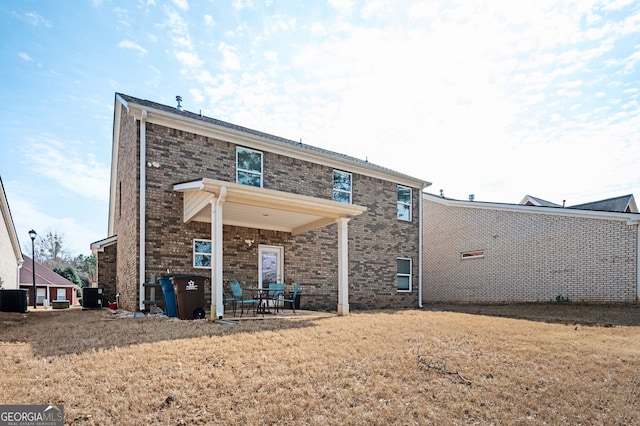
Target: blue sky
{"type": "Point", "coordinates": [495, 98]}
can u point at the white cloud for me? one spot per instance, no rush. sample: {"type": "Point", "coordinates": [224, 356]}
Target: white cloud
{"type": "Point", "coordinates": [128, 44]}
{"type": "Point", "coordinates": [25, 56]}
{"type": "Point", "coordinates": [230, 60]}
{"type": "Point", "coordinates": [617, 4]}
{"type": "Point", "coordinates": [76, 171]}
{"type": "Point", "coordinates": [243, 4]}
{"type": "Point", "coordinates": [179, 30]}
{"type": "Point", "coordinates": [376, 8]}
{"type": "Point", "coordinates": [188, 59]}
{"type": "Point", "coordinates": [343, 7]}
{"type": "Point", "coordinates": [196, 96]}
{"type": "Point", "coordinates": [182, 4]}
{"type": "Point", "coordinates": [208, 21]}
{"type": "Point", "coordinates": [37, 20]}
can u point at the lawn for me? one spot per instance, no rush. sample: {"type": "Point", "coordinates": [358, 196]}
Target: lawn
{"type": "Point", "coordinates": [565, 365]}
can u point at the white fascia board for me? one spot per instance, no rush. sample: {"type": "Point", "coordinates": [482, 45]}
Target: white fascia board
{"type": "Point", "coordinates": [239, 137]}
{"type": "Point", "coordinates": [99, 246]}
{"type": "Point", "coordinates": [557, 211]}
{"type": "Point", "coordinates": [195, 185]}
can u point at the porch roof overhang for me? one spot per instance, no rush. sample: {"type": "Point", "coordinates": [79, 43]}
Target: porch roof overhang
{"type": "Point", "coordinates": [261, 208]}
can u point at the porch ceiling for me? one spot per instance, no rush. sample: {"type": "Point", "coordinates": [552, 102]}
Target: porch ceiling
{"type": "Point", "coordinates": [261, 208]}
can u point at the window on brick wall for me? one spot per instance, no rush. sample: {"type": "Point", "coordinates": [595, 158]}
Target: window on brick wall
{"type": "Point", "coordinates": [202, 253]}
{"type": "Point", "coordinates": [342, 187]}
{"type": "Point", "coordinates": [249, 167]}
{"type": "Point", "coordinates": [403, 274]}
{"type": "Point", "coordinates": [476, 254]}
{"type": "Point", "coordinates": [404, 203]}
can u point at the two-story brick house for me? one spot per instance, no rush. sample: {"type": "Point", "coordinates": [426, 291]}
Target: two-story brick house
{"type": "Point", "coordinates": [192, 194]}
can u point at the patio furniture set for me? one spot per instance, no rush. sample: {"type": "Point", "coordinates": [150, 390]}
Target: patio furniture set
{"type": "Point", "coordinates": [266, 300]}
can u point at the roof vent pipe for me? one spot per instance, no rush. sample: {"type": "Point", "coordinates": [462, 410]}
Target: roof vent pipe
{"type": "Point", "coordinates": [442, 193]}
{"type": "Point", "coordinates": [179, 99]}
{"type": "Point", "coordinates": [563, 201]}
{"type": "Point", "coordinates": [472, 197]}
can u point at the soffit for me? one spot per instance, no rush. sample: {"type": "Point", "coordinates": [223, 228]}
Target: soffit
{"type": "Point", "coordinates": [261, 208]}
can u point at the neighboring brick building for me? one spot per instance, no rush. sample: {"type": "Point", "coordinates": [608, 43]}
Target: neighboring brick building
{"type": "Point", "coordinates": [191, 194]}
{"type": "Point", "coordinates": [538, 252]}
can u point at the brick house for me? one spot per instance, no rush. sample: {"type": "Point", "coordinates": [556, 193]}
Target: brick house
{"type": "Point", "coordinates": [50, 286]}
{"type": "Point", "coordinates": [535, 251]}
{"type": "Point", "coordinates": [192, 194]}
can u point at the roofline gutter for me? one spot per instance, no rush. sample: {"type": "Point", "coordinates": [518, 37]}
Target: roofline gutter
{"type": "Point", "coordinates": [143, 195]}
{"type": "Point", "coordinates": [562, 211]}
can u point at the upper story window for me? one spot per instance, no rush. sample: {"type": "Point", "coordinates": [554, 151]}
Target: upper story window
{"type": "Point", "coordinates": [403, 274]}
{"type": "Point", "coordinates": [342, 187]}
{"type": "Point", "coordinates": [404, 203]}
{"type": "Point", "coordinates": [202, 253]}
{"type": "Point", "coordinates": [249, 167]}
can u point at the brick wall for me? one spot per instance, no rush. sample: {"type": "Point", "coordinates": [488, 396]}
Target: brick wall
{"type": "Point", "coordinates": [127, 212]}
{"type": "Point", "coordinates": [529, 257]}
{"type": "Point", "coordinates": [376, 238]}
{"type": "Point", "coordinates": [107, 261]}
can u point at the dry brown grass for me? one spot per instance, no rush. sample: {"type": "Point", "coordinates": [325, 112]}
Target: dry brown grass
{"type": "Point", "coordinates": [374, 368]}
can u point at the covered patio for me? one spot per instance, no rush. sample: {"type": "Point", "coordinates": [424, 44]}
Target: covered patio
{"type": "Point", "coordinates": [227, 203]}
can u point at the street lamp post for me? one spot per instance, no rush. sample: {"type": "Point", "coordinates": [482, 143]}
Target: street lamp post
{"type": "Point", "coordinates": [33, 235]}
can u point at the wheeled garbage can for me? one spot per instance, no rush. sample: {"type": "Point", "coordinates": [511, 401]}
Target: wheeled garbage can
{"type": "Point", "coordinates": [190, 295]}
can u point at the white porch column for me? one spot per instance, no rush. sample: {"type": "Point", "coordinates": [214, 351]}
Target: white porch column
{"type": "Point", "coordinates": [217, 307]}
{"type": "Point", "coordinates": [343, 266]}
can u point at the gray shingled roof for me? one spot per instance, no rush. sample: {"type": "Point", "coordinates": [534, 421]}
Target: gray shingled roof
{"type": "Point", "coordinates": [617, 204]}
{"type": "Point", "coordinates": [276, 139]}
{"type": "Point", "coordinates": [543, 203]}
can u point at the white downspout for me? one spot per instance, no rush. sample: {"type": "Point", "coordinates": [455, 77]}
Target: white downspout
{"type": "Point", "coordinates": [143, 181]}
{"type": "Point", "coordinates": [20, 262]}
{"type": "Point", "coordinates": [420, 249]}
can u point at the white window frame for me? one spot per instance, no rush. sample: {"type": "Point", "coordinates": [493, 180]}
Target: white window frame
{"type": "Point", "coordinates": [350, 191]}
{"type": "Point", "coordinates": [252, 172]}
{"type": "Point", "coordinates": [409, 275]}
{"type": "Point", "coordinates": [59, 292]}
{"type": "Point", "coordinates": [410, 203]}
{"type": "Point", "coordinates": [473, 254]}
{"type": "Point", "coordinates": [201, 253]}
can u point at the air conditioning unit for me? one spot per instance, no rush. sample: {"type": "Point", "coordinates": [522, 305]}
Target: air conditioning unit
{"type": "Point", "coordinates": [13, 300]}
{"type": "Point", "coordinates": [92, 297]}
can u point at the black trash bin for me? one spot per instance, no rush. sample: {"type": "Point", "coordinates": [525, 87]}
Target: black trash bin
{"type": "Point", "coordinates": [190, 295]}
